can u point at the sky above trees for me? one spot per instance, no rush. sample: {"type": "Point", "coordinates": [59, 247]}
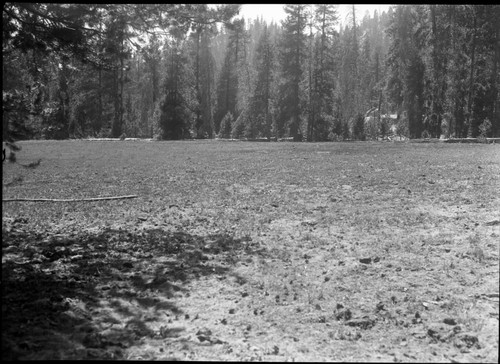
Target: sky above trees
{"type": "Point", "coordinates": [275, 12]}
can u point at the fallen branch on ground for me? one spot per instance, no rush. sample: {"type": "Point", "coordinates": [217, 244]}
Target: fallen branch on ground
{"type": "Point", "coordinates": [31, 165]}
{"type": "Point", "coordinates": [69, 200]}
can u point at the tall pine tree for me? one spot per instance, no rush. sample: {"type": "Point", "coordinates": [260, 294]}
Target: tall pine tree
{"type": "Point", "coordinates": [260, 116]}
{"type": "Point", "coordinates": [293, 53]}
{"type": "Point", "coordinates": [175, 115]}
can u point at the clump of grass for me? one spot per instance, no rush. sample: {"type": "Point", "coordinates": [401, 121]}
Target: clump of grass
{"type": "Point", "coordinates": [467, 316]}
{"type": "Point", "coordinates": [475, 251]}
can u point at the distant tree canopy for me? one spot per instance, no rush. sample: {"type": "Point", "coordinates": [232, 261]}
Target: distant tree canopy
{"type": "Point", "coordinates": [175, 71]}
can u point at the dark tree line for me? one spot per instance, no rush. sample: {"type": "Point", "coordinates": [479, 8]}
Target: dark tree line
{"type": "Point", "coordinates": [176, 71]}
{"type": "Point", "coordinates": [443, 68]}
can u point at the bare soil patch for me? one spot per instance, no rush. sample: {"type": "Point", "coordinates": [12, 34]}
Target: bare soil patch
{"type": "Point", "coordinates": [252, 251]}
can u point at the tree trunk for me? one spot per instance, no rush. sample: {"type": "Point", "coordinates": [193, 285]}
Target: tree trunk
{"type": "Point", "coordinates": [470, 117]}
{"type": "Point", "coordinates": [355, 58]}
{"type": "Point", "coordinates": [98, 123]}
{"type": "Point", "coordinates": [310, 124]}
{"type": "Point", "coordinates": [198, 122]}
{"type": "Point", "coordinates": [116, 129]}
{"type": "Point", "coordinates": [380, 113]}
{"type": "Point", "coordinates": [495, 112]}
{"type": "Point", "coordinates": [122, 81]}
{"type": "Point", "coordinates": [435, 116]}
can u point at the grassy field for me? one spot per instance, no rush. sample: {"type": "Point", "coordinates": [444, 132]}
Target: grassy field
{"type": "Point", "coordinates": [252, 251]}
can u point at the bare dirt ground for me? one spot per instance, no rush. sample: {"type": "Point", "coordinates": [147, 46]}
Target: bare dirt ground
{"type": "Point", "coordinates": [253, 251]}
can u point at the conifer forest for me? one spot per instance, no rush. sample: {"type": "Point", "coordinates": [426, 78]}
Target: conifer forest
{"type": "Point", "coordinates": [182, 71]}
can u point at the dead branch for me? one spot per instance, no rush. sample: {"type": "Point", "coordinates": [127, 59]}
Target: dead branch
{"type": "Point", "coordinates": [69, 200]}
{"type": "Point", "coordinates": [31, 165]}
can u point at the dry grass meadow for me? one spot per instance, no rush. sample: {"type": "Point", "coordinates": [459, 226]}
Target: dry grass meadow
{"type": "Point", "coordinates": [362, 251]}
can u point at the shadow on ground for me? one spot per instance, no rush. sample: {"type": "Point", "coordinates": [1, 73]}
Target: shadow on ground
{"type": "Point", "coordinates": [93, 295]}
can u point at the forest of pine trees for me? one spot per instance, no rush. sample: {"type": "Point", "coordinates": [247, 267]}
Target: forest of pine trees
{"type": "Point", "coordinates": [178, 71]}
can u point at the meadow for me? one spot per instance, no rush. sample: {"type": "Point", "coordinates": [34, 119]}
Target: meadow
{"type": "Point", "coordinates": [350, 251]}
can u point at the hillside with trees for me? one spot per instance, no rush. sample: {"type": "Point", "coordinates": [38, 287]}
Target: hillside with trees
{"type": "Point", "coordinates": [179, 71]}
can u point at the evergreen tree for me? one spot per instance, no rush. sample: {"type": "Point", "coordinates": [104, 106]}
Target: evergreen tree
{"type": "Point", "coordinates": [175, 115]}
{"type": "Point", "coordinates": [358, 130]}
{"type": "Point", "coordinates": [483, 80]}
{"type": "Point", "coordinates": [147, 75]}
{"type": "Point", "coordinates": [206, 78]}
{"type": "Point", "coordinates": [292, 56]}
{"type": "Point", "coordinates": [322, 82]}
{"type": "Point", "coordinates": [345, 100]}
{"type": "Point", "coordinates": [226, 126]}
{"type": "Point", "coordinates": [226, 92]}
{"type": "Point", "coordinates": [260, 116]}
{"type": "Point", "coordinates": [406, 82]}
{"type": "Point", "coordinates": [203, 68]}
{"type": "Point", "coordinates": [437, 62]}
{"type": "Point", "coordinates": [227, 85]}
